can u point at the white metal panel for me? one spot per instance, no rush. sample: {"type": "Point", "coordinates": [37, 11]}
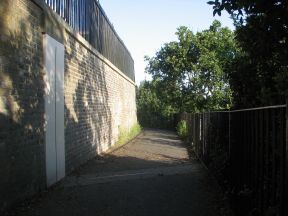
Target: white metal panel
{"type": "Point", "coordinates": [54, 109]}
{"type": "Point", "coordinates": [60, 142]}
{"type": "Point", "coordinates": [49, 62]}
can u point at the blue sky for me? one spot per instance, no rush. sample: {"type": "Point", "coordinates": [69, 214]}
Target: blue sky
{"type": "Point", "coordinates": [145, 26]}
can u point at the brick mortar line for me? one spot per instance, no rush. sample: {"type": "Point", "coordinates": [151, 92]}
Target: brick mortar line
{"type": "Point", "coordinates": [86, 45]}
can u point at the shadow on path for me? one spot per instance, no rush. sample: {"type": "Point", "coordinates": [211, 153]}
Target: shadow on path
{"type": "Point", "coordinates": [151, 175]}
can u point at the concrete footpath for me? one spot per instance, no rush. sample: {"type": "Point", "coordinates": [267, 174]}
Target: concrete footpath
{"type": "Point", "coordinates": [152, 175]}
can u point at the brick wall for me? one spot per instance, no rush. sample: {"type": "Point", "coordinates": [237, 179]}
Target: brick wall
{"type": "Point", "coordinates": [99, 99]}
{"type": "Point", "coordinates": [21, 101]}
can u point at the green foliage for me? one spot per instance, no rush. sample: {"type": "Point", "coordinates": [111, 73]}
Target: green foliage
{"type": "Point", "coordinates": [126, 136]}
{"type": "Point", "coordinates": [152, 111]}
{"type": "Point", "coordinates": [259, 76]}
{"type": "Point", "coordinates": [191, 72]}
{"type": "Point", "coordinates": [182, 129]}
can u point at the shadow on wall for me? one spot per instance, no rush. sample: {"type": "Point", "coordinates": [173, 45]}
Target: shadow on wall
{"type": "Point", "coordinates": [22, 167]}
{"type": "Point", "coordinates": [88, 123]}
{"type": "Point", "coordinates": [88, 120]}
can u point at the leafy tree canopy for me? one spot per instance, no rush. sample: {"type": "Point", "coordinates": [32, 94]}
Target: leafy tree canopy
{"type": "Point", "coordinates": [191, 72]}
{"type": "Point", "coordinates": [152, 110]}
{"type": "Point", "coordinates": [260, 75]}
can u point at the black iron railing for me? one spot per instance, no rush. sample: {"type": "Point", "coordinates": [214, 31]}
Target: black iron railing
{"type": "Point", "coordinates": [247, 150]}
{"type": "Point", "coordinates": [88, 19]}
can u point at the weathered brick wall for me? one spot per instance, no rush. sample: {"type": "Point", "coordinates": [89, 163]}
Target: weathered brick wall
{"type": "Point", "coordinates": [99, 99]}
{"type": "Point", "coordinates": [21, 101]}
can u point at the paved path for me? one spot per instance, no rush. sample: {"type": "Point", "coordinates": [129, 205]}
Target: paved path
{"type": "Point", "coordinates": [151, 175]}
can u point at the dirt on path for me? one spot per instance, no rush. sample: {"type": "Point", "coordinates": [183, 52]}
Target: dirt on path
{"type": "Point", "coordinates": [152, 175]}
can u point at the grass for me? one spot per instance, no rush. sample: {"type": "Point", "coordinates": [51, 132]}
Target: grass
{"type": "Point", "coordinates": [182, 129]}
{"type": "Point", "coordinates": [127, 135]}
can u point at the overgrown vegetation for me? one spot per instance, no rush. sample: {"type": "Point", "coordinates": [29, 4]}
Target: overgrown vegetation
{"type": "Point", "coordinates": [125, 136]}
{"type": "Point", "coordinates": [182, 129]}
{"type": "Point", "coordinates": [189, 74]}
{"type": "Point", "coordinates": [259, 76]}
{"type": "Point", "coordinates": [152, 111]}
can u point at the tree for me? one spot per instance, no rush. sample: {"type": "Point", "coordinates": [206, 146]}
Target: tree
{"type": "Point", "coordinates": [152, 111]}
{"type": "Point", "coordinates": [259, 76]}
{"type": "Point", "coordinates": [191, 72]}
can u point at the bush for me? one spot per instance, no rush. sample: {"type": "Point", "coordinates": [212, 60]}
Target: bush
{"type": "Point", "coordinates": [182, 129]}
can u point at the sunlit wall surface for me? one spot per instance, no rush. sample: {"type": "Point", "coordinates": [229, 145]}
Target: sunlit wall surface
{"type": "Point", "coordinates": [88, 19]}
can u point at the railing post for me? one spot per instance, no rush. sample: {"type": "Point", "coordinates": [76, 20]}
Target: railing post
{"type": "Point", "coordinates": [229, 135]}
{"type": "Point", "coordinates": [286, 163]}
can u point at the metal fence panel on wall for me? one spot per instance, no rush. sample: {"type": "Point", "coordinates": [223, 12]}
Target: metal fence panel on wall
{"type": "Point", "coordinates": [247, 149]}
{"type": "Point", "coordinates": [89, 19]}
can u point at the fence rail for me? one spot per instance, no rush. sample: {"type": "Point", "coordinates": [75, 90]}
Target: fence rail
{"type": "Point", "coordinates": [248, 151]}
{"type": "Point", "coordinates": [89, 19]}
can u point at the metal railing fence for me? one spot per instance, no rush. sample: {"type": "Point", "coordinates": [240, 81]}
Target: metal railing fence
{"type": "Point", "coordinates": [247, 150]}
{"type": "Point", "coordinates": [89, 19]}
